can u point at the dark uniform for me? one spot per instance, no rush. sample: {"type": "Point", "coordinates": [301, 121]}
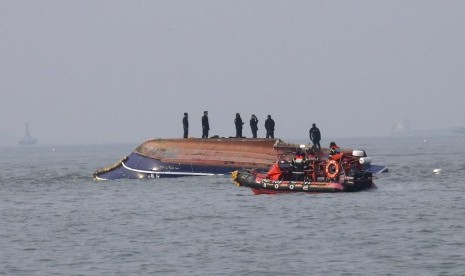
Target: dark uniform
{"type": "Point", "coordinates": [315, 136]}
{"type": "Point", "coordinates": [254, 125]}
{"type": "Point", "coordinates": [238, 122]}
{"type": "Point", "coordinates": [205, 125]}
{"type": "Point", "coordinates": [269, 126]}
{"type": "Point", "coordinates": [185, 125]}
{"type": "Point", "coordinates": [298, 166]}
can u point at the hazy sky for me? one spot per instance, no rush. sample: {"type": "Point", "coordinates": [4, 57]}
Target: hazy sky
{"type": "Point", "coordinates": [126, 71]}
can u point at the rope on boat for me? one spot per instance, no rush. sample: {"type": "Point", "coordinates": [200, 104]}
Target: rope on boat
{"type": "Point", "coordinates": [234, 176]}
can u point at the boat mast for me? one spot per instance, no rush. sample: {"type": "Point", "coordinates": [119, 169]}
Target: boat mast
{"type": "Point", "coordinates": [27, 130]}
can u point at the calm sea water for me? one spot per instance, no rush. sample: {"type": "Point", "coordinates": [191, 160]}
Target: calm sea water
{"type": "Point", "coordinates": [55, 220]}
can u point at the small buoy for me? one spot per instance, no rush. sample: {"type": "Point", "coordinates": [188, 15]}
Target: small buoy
{"type": "Point", "coordinates": [437, 171]}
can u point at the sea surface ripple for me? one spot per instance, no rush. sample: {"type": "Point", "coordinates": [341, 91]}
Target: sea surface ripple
{"type": "Point", "coordinates": [56, 220]}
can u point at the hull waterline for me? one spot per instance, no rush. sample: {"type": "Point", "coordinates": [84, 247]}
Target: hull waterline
{"type": "Point", "coordinates": [198, 157]}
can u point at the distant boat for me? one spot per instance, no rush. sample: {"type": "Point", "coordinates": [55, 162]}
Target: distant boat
{"type": "Point", "coordinates": [459, 130]}
{"type": "Point", "coordinates": [27, 140]}
{"type": "Point", "coordinates": [401, 127]}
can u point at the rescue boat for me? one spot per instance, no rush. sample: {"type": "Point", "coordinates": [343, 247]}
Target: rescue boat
{"type": "Point", "coordinates": [342, 172]}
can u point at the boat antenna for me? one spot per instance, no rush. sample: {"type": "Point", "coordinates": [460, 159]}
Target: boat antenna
{"type": "Point", "coordinates": [27, 130]}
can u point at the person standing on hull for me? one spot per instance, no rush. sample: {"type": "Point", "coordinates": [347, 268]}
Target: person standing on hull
{"type": "Point", "coordinates": [238, 122]}
{"type": "Point", "coordinates": [185, 125]}
{"type": "Point", "coordinates": [254, 125]}
{"type": "Point", "coordinates": [315, 136]}
{"type": "Point", "coordinates": [269, 126]}
{"type": "Point", "coordinates": [205, 125]}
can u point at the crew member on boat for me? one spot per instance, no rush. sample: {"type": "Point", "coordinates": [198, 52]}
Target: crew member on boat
{"type": "Point", "coordinates": [298, 165]}
{"type": "Point", "coordinates": [333, 149]}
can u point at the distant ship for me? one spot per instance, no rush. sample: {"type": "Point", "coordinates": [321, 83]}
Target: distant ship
{"type": "Point", "coordinates": [27, 140]}
{"type": "Point", "coordinates": [459, 130]}
{"type": "Point", "coordinates": [401, 127]}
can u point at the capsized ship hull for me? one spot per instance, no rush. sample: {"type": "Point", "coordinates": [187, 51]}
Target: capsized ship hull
{"type": "Point", "coordinates": [194, 156]}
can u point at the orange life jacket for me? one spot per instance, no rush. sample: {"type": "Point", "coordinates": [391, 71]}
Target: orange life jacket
{"type": "Point", "coordinates": [274, 173]}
